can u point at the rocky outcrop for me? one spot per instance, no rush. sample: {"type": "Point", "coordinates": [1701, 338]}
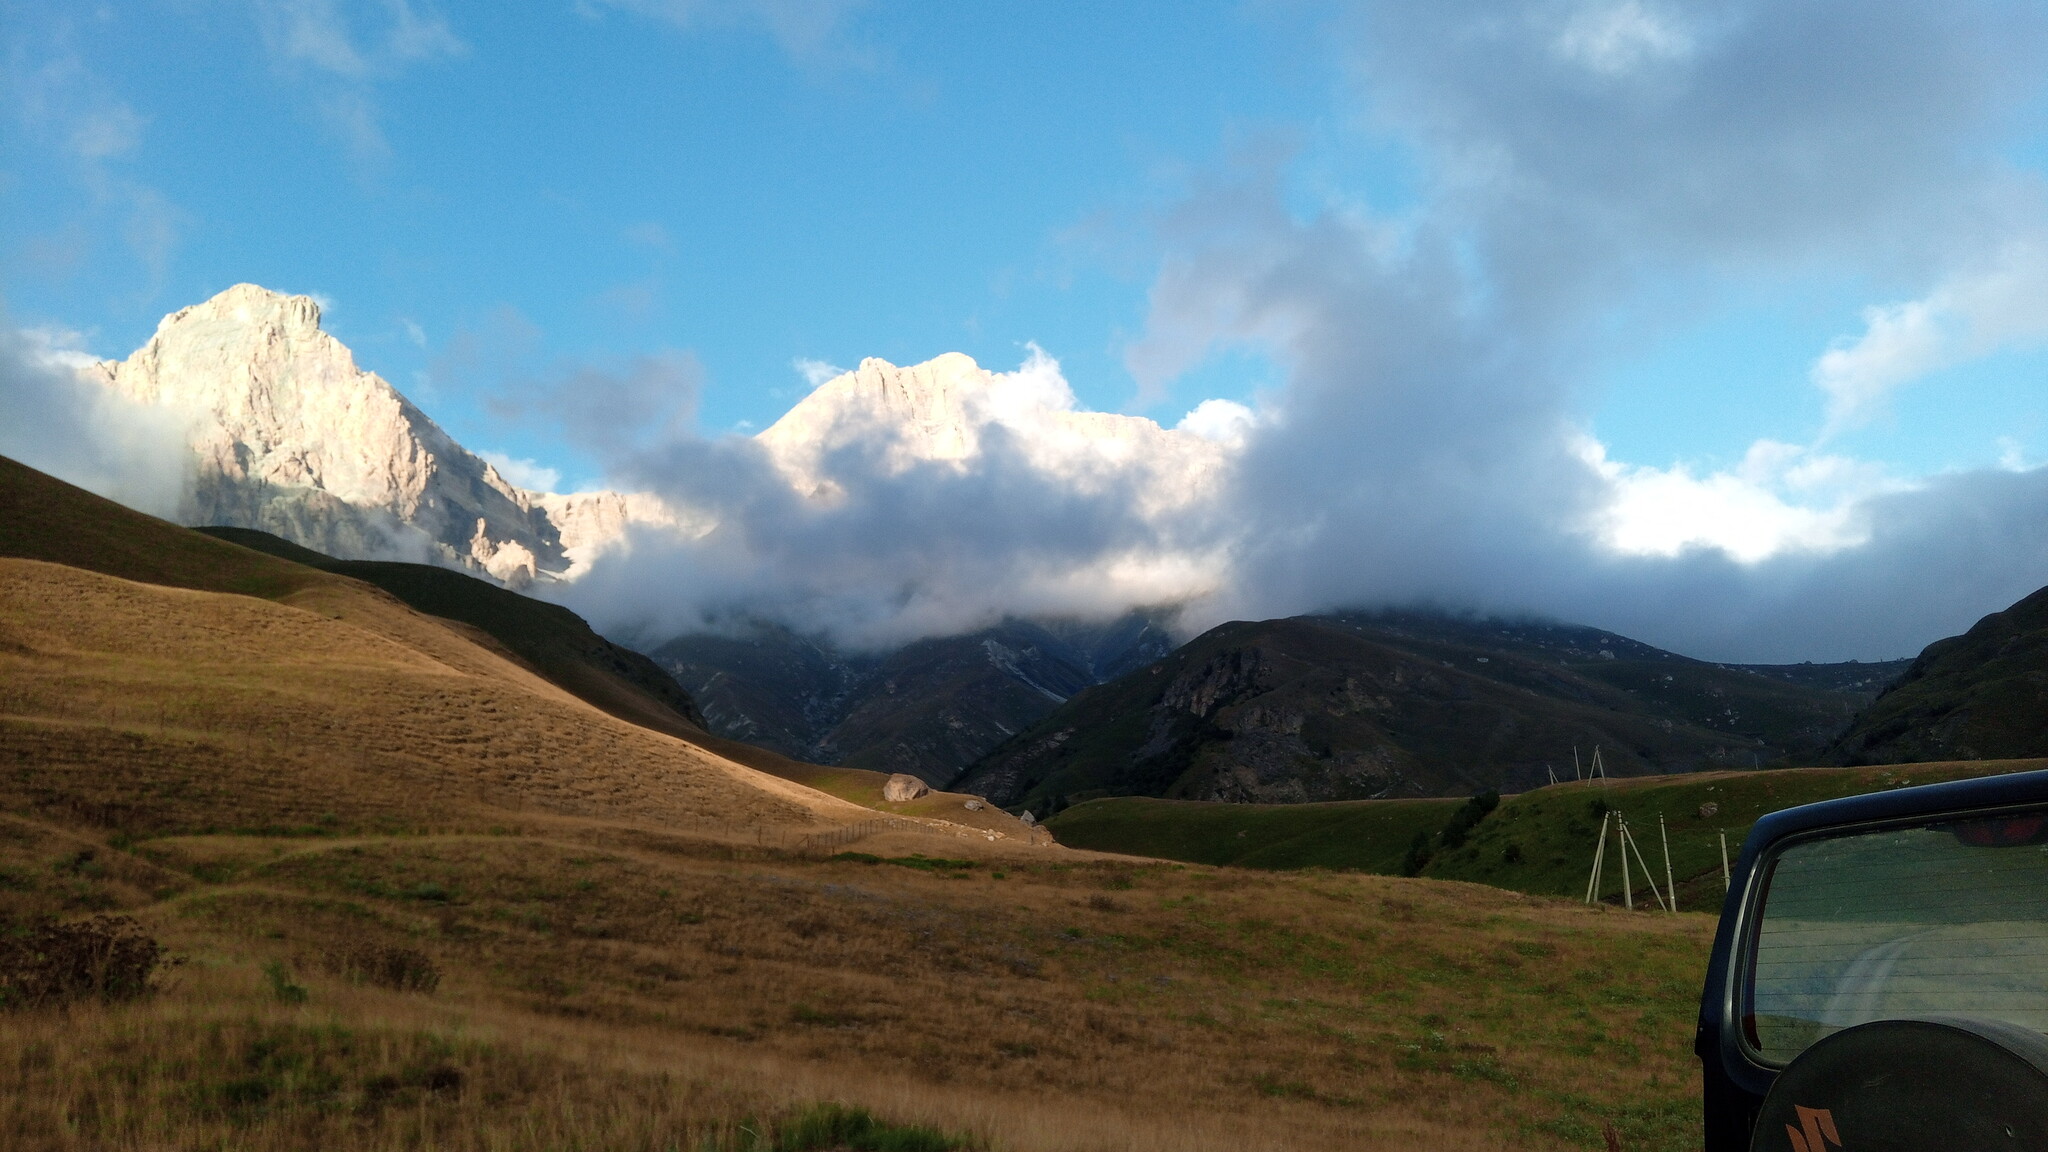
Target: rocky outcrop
{"type": "Point", "coordinates": [292, 438]}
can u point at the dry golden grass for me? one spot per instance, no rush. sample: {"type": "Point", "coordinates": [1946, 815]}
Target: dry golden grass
{"type": "Point", "coordinates": [627, 960]}
{"type": "Point", "coordinates": [338, 701]}
{"type": "Point", "coordinates": [675, 985]}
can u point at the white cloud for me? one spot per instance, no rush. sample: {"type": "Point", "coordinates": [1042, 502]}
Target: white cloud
{"type": "Point", "coordinates": [77, 430]}
{"type": "Point", "coordinates": [413, 332]}
{"type": "Point", "coordinates": [1424, 444]}
{"type": "Point", "coordinates": [1223, 421]}
{"type": "Point", "coordinates": [2012, 455]}
{"type": "Point", "coordinates": [104, 133]}
{"type": "Point", "coordinates": [63, 104]}
{"type": "Point", "coordinates": [420, 35]}
{"type": "Point", "coordinates": [338, 50]}
{"type": "Point", "coordinates": [815, 372]}
{"type": "Point", "coordinates": [1615, 39]}
{"type": "Point", "coordinates": [1971, 314]}
{"type": "Point", "coordinates": [1782, 499]}
{"type": "Point", "coordinates": [527, 474]}
{"type": "Point", "coordinates": [934, 498]}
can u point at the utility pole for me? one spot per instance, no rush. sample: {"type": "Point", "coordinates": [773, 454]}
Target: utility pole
{"type": "Point", "coordinates": [1599, 856]}
{"type": "Point", "coordinates": [1670, 885]}
{"type": "Point", "coordinates": [1628, 896]}
{"type": "Point", "coordinates": [1649, 877]}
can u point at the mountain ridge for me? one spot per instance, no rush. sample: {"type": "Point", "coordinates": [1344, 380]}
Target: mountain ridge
{"type": "Point", "coordinates": [928, 708]}
{"type": "Point", "coordinates": [1391, 704]}
{"type": "Point", "coordinates": [1979, 695]}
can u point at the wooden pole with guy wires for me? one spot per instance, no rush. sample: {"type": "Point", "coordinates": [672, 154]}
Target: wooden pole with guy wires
{"type": "Point", "coordinates": [1628, 896]}
{"type": "Point", "coordinates": [1599, 856]}
{"type": "Point", "coordinates": [1670, 885]}
{"type": "Point", "coordinates": [1629, 844]}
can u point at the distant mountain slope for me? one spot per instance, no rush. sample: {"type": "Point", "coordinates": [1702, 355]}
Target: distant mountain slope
{"type": "Point", "coordinates": [553, 640]}
{"type": "Point", "coordinates": [1401, 704]}
{"type": "Point", "coordinates": [1981, 695]}
{"type": "Point", "coordinates": [930, 708]}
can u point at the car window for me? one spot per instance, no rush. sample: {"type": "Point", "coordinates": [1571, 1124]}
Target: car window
{"type": "Point", "coordinates": [1946, 918]}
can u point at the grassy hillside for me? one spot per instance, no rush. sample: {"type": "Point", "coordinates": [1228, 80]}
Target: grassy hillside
{"type": "Point", "coordinates": [1404, 705]}
{"type": "Point", "coordinates": [1539, 842]}
{"type": "Point", "coordinates": [556, 642]}
{"type": "Point", "coordinates": [424, 898]}
{"type": "Point", "coordinates": [1981, 694]}
{"type": "Point", "coordinates": [606, 985]}
{"type": "Point", "coordinates": [42, 518]}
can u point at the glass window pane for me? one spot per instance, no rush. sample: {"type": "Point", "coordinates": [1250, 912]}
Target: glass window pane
{"type": "Point", "coordinates": [1946, 918]}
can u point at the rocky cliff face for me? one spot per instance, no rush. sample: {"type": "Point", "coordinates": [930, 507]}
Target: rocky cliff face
{"type": "Point", "coordinates": [292, 438]}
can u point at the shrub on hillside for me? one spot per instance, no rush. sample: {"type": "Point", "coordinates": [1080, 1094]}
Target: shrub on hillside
{"type": "Point", "coordinates": [834, 1126]}
{"type": "Point", "coordinates": [1466, 818]}
{"type": "Point", "coordinates": [386, 966]}
{"type": "Point", "coordinates": [44, 962]}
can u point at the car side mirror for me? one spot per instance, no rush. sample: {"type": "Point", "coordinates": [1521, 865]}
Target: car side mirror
{"type": "Point", "coordinates": [1859, 927]}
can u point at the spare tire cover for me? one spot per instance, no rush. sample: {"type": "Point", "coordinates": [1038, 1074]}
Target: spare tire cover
{"type": "Point", "coordinates": [1935, 1084]}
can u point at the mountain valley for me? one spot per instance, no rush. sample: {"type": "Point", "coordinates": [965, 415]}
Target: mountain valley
{"type": "Point", "coordinates": [930, 708]}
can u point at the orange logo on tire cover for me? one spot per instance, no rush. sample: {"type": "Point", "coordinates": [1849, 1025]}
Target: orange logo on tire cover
{"type": "Point", "coordinates": [1815, 1132]}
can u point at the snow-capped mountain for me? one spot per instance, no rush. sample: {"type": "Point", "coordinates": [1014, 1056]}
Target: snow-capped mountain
{"type": "Point", "coordinates": [291, 437]}
{"type": "Point", "coordinates": [951, 409]}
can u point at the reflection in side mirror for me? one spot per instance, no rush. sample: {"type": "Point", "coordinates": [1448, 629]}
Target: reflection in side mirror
{"type": "Point", "coordinates": [1938, 918]}
{"type": "Point", "coordinates": [2002, 831]}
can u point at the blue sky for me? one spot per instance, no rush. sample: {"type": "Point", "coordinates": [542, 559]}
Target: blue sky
{"type": "Point", "coordinates": [960, 178]}
{"type": "Point", "coordinates": [902, 181]}
{"type": "Point", "coordinates": [1753, 269]}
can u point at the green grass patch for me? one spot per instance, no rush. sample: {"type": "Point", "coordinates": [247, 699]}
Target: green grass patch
{"type": "Point", "coordinates": [1356, 835]}
{"type": "Point", "coordinates": [1539, 842]}
{"type": "Point", "coordinates": [835, 1126]}
{"type": "Point", "coordinates": [914, 860]}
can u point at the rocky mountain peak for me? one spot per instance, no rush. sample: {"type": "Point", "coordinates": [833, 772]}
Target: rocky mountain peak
{"type": "Point", "coordinates": [290, 436]}
{"type": "Point", "coordinates": [925, 409]}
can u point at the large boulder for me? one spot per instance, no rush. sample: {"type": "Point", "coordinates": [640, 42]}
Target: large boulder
{"type": "Point", "coordinates": [903, 786]}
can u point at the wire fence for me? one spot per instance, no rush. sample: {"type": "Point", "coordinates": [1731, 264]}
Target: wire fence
{"type": "Point", "coordinates": [842, 836]}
